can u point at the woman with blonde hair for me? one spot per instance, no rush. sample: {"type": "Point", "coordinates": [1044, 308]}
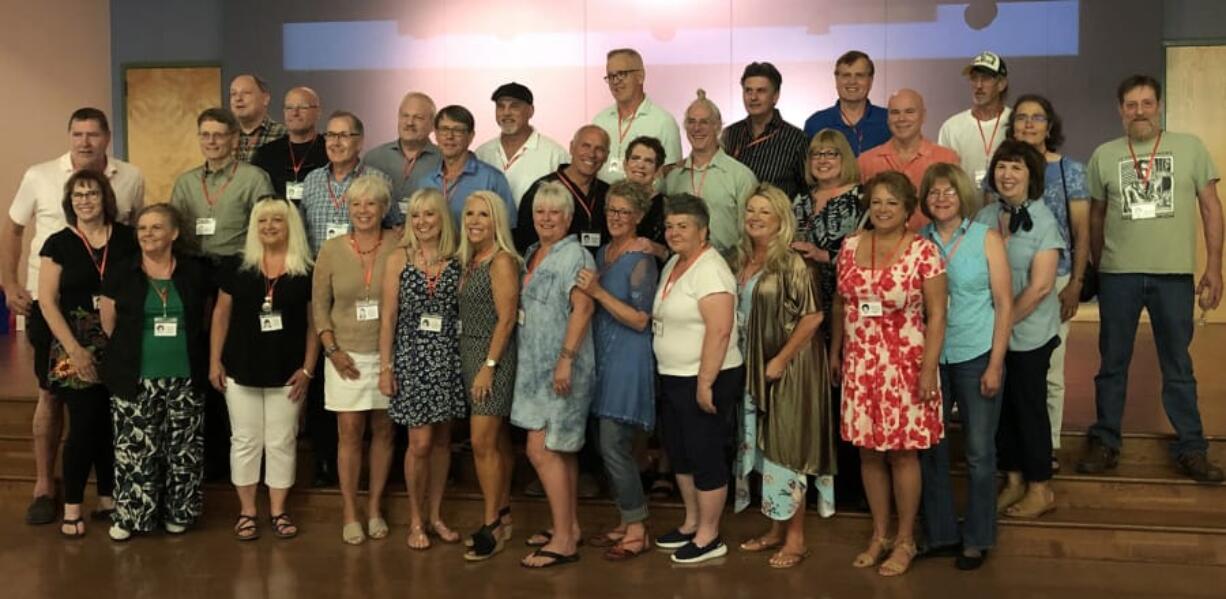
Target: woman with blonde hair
{"type": "Point", "coordinates": [488, 302]}
{"type": "Point", "coordinates": [262, 350]}
{"type": "Point", "coordinates": [787, 432]}
{"type": "Point", "coordinates": [419, 355]}
{"type": "Point", "coordinates": [346, 293]}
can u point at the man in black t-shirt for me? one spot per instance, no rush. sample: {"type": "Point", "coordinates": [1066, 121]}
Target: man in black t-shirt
{"type": "Point", "coordinates": [289, 158]}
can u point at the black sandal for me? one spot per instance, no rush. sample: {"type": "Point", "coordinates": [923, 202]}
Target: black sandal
{"type": "Point", "coordinates": [486, 543]}
{"type": "Point", "coordinates": [75, 523]}
{"type": "Point", "coordinates": [558, 559]}
{"type": "Point", "coordinates": [246, 529]}
{"type": "Point", "coordinates": [280, 523]}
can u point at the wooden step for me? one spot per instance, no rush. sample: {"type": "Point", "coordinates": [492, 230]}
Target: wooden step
{"type": "Point", "coordinates": [16, 416]}
{"type": "Point", "coordinates": [1149, 449]}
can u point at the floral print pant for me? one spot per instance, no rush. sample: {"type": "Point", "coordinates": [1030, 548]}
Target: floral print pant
{"type": "Point", "coordinates": [159, 454]}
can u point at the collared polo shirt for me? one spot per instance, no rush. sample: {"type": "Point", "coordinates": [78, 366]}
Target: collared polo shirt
{"type": "Point", "coordinates": [778, 156]}
{"type": "Point", "coordinates": [40, 198]}
{"type": "Point", "coordinates": [225, 195]}
{"type": "Point", "coordinates": [538, 157]}
{"type": "Point", "coordinates": [323, 202]}
{"type": "Point", "coordinates": [266, 132]}
{"type": "Point", "coordinates": [885, 158]}
{"type": "Point", "coordinates": [476, 176]}
{"type": "Point", "coordinates": [407, 177]}
{"type": "Point", "coordinates": [870, 132]}
{"type": "Point", "coordinates": [588, 215]}
{"type": "Point", "coordinates": [650, 120]}
{"type": "Point", "coordinates": [725, 185]}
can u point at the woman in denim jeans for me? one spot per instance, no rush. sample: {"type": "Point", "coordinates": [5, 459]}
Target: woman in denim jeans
{"type": "Point", "coordinates": [972, 360]}
{"type": "Point", "coordinates": [623, 287]}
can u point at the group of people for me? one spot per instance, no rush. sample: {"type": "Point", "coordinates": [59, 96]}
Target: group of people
{"type": "Point", "coordinates": [775, 302]}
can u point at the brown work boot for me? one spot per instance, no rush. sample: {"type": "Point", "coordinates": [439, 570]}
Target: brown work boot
{"type": "Point", "coordinates": [1197, 466]}
{"type": "Point", "coordinates": [1098, 458]}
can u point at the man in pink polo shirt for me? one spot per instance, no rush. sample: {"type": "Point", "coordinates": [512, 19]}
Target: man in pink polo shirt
{"type": "Point", "coordinates": [907, 151]}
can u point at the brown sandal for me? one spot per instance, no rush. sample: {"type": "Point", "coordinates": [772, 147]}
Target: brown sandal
{"type": "Point", "coordinates": [784, 559]}
{"type": "Point", "coordinates": [622, 551]}
{"type": "Point", "coordinates": [246, 529]}
{"type": "Point", "coordinates": [283, 527]}
{"type": "Point", "coordinates": [760, 544]}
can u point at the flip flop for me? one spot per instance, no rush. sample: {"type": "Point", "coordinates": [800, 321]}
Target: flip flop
{"type": "Point", "coordinates": [758, 545]}
{"type": "Point", "coordinates": [558, 559]}
{"type": "Point", "coordinates": [77, 531]}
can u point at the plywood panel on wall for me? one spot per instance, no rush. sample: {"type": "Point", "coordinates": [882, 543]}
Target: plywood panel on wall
{"type": "Point", "coordinates": [162, 104]}
{"type": "Point", "coordinates": [1195, 86]}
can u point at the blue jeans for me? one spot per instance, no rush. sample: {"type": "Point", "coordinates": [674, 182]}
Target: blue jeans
{"type": "Point", "coordinates": [616, 441]}
{"type": "Point", "coordinates": [980, 415]}
{"type": "Point", "coordinates": [1169, 300]}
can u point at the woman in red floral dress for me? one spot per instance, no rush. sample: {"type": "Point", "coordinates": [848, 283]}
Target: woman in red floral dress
{"type": "Point", "coordinates": [889, 324]}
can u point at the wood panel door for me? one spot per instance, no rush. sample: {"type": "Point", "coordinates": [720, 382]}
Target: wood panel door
{"type": "Point", "coordinates": [161, 104]}
{"type": "Point", "coordinates": [1195, 86]}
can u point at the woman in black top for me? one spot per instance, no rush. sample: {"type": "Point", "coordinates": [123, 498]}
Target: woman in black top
{"type": "Point", "coordinates": [262, 349]}
{"type": "Point", "coordinates": [156, 368]}
{"type": "Point", "coordinates": [74, 261]}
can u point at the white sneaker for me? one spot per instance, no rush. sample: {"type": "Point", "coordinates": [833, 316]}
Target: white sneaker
{"type": "Point", "coordinates": [119, 534]}
{"type": "Point", "coordinates": [174, 528]}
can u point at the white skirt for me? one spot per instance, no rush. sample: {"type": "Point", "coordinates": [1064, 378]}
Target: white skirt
{"type": "Point", "coordinates": [345, 395]}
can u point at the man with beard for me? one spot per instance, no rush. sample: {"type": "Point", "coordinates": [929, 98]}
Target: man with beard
{"type": "Point", "coordinates": [520, 152]}
{"type": "Point", "coordinates": [975, 133]}
{"type": "Point", "coordinates": [410, 158]}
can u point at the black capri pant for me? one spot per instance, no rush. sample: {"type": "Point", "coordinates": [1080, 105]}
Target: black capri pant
{"type": "Point", "coordinates": [1023, 438]}
{"type": "Point", "coordinates": [695, 440]}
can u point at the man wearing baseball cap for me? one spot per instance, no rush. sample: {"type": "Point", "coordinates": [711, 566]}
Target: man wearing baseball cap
{"type": "Point", "coordinates": [520, 152]}
{"type": "Point", "coordinates": [976, 133]}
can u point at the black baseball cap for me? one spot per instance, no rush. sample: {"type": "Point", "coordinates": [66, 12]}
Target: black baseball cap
{"type": "Point", "coordinates": [513, 90]}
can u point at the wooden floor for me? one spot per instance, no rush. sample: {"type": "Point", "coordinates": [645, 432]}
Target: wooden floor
{"type": "Point", "coordinates": [208, 563]}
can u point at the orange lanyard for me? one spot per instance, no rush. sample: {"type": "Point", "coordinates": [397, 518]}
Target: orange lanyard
{"type": "Point", "coordinates": [337, 202]}
{"type": "Point", "coordinates": [737, 154]}
{"type": "Point", "coordinates": [270, 288]}
{"type": "Point", "coordinates": [697, 188]}
{"type": "Point", "coordinates": [164, 292]}
{"type": "Point", "coordinates": [988, 141]}
{"type": "Point", "coordinates": [409, 163]}
{"type": "Point", "coordinates": [679, 271]}
{"type": "Point", "coordinates": [205, 186]}
{"type": "Point", "coordinates": [962, 230]}
{"type": "Point", "coordinates": [1136, 164]}
{"type": "Point", "coordinates": [873, 277]}
{"type": "Point", "coordinates": [368, 272]}
{"type": "Point", "coordinates": [106, 250]}
{"type": "Point", "coordinates": [580, 198]}
{"type": "Point", "coordinates": [621, 133]}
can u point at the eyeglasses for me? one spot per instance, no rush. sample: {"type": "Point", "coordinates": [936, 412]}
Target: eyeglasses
{"type": "Point", "coordinates": [700, 122]}
{"type": "Point", "coordinates": [85, 195]}
{"type": "Point", "coordinates": [949, 193]}
{"type": "Point", "coordinates": [451, 131]}
{"type": "Point", "coordinates": [619, 76]}
{"type": "Point", "coordinates": [207, 136]}
{"type": "Point", "coordinates": [1037, 119]}
{"type": "Point", "coordinates": [297, 107]}
{"type": "Point", "coordinates": [825, 155]}
{"type": "Point", "coordinates": [340, 135]}
{"type": "Point", "coordinates": [618, 212]}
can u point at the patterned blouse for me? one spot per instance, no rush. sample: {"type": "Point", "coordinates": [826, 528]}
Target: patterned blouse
{"type": "Point", "coordinates": [826, 229]}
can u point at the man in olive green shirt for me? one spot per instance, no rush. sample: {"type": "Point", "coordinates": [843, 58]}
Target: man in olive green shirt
{"type": "Point", "coordinates": [215, 199]}
{"type": "Point", "coordinates": [712, 175]}
{"type": "Point", "coordinates": [1146, 189]}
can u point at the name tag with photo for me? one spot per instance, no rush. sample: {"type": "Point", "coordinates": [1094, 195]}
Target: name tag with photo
{"type": "Point", "coordinates": [590, 240]}
{"type": "Point", "coordinates": [166, 326]}
{"type": "Point", "coordinates": [336, 230]}
{"type": "Point", "coordinates": [871, 307]}
{"type": "Point", "coordinates": [430, 323]}
{"type": "Point", "coordinates": [368, 310]}
{"type": "Point", "coordinates": [270, 322]}
{"type": "Point", "coordinates": [206, 226]}
{"type": "Point", "coordinates": [294, 190]}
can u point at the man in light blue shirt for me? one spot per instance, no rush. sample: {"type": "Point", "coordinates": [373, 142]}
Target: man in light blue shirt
{"type": "Point", "coordinates": [461, 173]}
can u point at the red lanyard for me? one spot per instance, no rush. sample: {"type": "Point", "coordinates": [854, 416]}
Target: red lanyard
{"type": "Point", "coordinates": [854, 128]}
{"type": "Point", "coordinates": [987, 142]}
{"type": "Point", "coordinates": [431, 280]}
{"type": "Point", "coordinates": [875, 279]}
{"type": "Point", "coordinates": [368, 272]}
{"type": "Point", "coordinates": [164, 292]}
{"type": "Point", "coordinates": [409, 162]}
{"type": "Point", "coordinates": [295, 164]}
{"type": "Point", "coordinates": [580, 198]}
{"type": "Point", "coordinates": [270, 287]}
{"type": "Point", "coordinates": [205, 186]}
{"type": "Point", "coordinates": [753, 143]}
{"type": "Point", "coordinates": [1136, 164]}
{"type": "Point", "coordinates": [106, 250]}
{"type": "Point", "coordinates": [697, 188]}
{"type": "Point", "coordinates": [679, 270]}
{"type": "Point", "coordinates": [337, 201]}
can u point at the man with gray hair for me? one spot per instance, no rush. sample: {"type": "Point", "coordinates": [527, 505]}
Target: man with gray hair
{"type": "Point", "coordinates": [411, 158]}
{"type": "Point", "coordinates": [589, 149]}
{"type": "Point", "coordinates": [520, 152]}
{"type": "Point", "coordinates": [632, 114]}
{"type": "Point", "coordinates": [249, 99]}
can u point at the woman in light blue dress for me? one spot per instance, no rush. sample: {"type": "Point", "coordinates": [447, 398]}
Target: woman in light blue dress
{"type": "Point", "coordinates": [623, 290]}
{"type": "Point", "coordinates": [555, 375]}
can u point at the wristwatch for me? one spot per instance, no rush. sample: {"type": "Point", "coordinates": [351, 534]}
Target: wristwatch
{"type": "Point", "coordinates": [491, 363]}
{"type": "Point", "coordinates": [329, 350]}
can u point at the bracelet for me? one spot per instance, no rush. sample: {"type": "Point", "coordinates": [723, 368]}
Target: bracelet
{"type": "Point", "coordinates": [385, 368]}
{"type": "Point", "coordinates": [331, 349]}
{"type": "Point", "coordinates": [566, 353]}
{"type": "Point", "coordinates": [307, 373]}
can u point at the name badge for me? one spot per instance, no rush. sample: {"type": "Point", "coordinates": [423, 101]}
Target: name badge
{"type": "Point", "coordinates": [1144, 211]}
{"type": "Point", "coordinates": [589, 240]}
{"type": "Point", "coordinates": [871, 307]}
{"type": "Point", "coordinates": [96, 300]}
{"type": "Point", "coordinates": [522, 317]}
{"type": "Point", "coordinates": [206, 226]}
{"type": "Point", "coordinates": [270, 321]}
{"type": "Point", "coordinates": [165, 326]}
{"type": "Point", "coordinates": [431, 323]}
{"type": "Point", "coordinates": [657, 327]}
{"type": "Point", "coordinates": [980, 174]}
{"type": "Point", "coordinates": [336, 230]}
{"type": "Point", "coordinates": [404, 207]}
{"type": "Point", "coordinates": [294, 190]}
{"type": "Point", "coordinates": [368, 310]}
{"type": "Point", "coordinates": [614, 164]}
